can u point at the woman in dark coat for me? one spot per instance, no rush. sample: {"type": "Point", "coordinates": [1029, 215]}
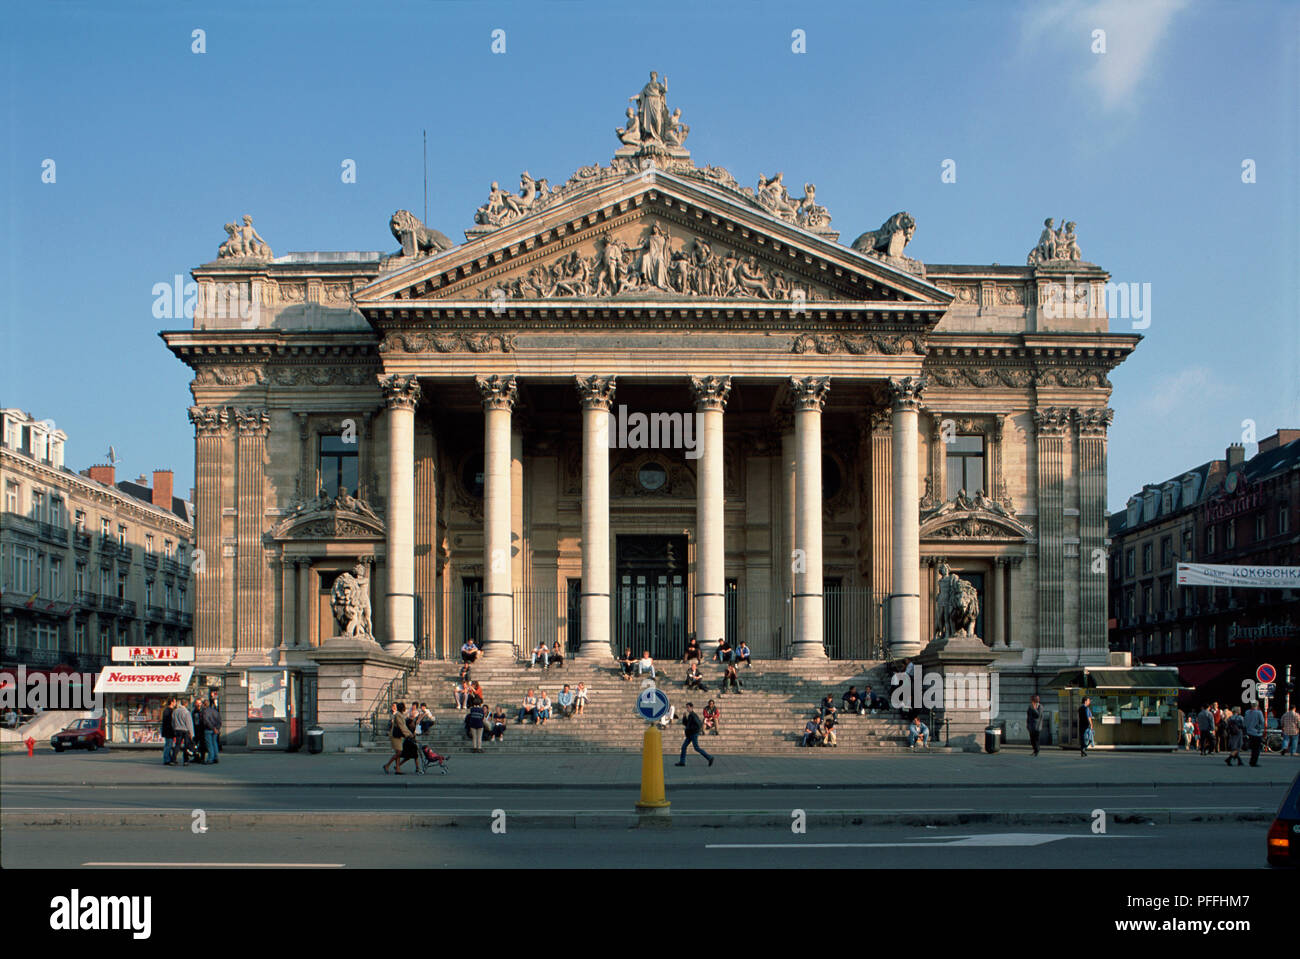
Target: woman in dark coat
{"type": "Point", "coordinates": [1236, 736]}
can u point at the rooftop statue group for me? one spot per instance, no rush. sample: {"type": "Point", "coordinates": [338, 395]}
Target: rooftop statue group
{"type": "Point", "coordinates": [243, 242]}
{"type": "Point", "coordinates": [1055, 244]}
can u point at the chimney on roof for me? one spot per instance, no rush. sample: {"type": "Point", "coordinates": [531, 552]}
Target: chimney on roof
{"type": "Point", "coordinates": [102, 473]}
{"type": "Point", "coordinates": [162, 489]}
{"type": "Point", "coordinates": [1236, 454]}
{"type": "Point", "coordinates": [1280, 438]}
{"type": "Point", "coordinates": [142, 480]}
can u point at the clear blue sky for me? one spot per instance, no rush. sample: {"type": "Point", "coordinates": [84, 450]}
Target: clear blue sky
{"type": "Point", "coordinates": [156, 147]}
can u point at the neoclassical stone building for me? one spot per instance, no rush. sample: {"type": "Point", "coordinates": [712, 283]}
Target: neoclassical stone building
{"type": "Point", "coordinates": [643, 404]}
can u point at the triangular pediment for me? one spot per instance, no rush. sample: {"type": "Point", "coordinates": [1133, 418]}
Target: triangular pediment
{"type": "Point", "coordinates": [652, 237]}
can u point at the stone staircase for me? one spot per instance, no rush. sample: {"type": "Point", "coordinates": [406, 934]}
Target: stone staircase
{"type": "Point", "coordinates": [767, 718]}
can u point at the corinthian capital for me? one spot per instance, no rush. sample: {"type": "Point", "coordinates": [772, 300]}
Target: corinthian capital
{"type": "Point", "coordinates": [209, 420]}
{"type": "Point", "coordinates": [1051, 421]}
{"type": "Point", "coordinates": [710, 392]}
{"type": "Point", "coordinates": [1094, 421]}
{"type": "Point", "coordinates": [253, 421]}
{"type": "Point", "coordinates": [498, 392]}
{"type": "Point", "coordinates": [401, 391]}
{"type": "Point", "coordinates": [809, 392]}
{"type": "Point", "coordinates": [595, 391]}
{"type": "Point", "coordinates": [905, 394]}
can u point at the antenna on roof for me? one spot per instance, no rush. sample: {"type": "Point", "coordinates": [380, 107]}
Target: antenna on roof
{"type": "Point", "coordinates": [112, 456]}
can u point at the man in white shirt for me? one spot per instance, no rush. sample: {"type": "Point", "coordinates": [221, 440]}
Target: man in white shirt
{"type": "Point", "coordinates": [646, 665]}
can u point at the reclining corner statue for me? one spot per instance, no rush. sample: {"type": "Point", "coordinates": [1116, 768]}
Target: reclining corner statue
{"type": "Point", "coordinates": [350, 602]}
{"type": "Point", "coordinates": [958, 605]}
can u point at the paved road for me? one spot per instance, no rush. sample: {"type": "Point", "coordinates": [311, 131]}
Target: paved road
{"type": "Point", "coordinates": [1228, 846]}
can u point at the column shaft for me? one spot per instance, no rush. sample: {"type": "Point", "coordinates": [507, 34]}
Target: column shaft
{"type": "Point", "coordinates": [711, 394]}
{"type": "Point", "coordinates": [809, 396]}
{"type": "Point", "coordinates": [905, 608]}
{"type": "Point", "coordinates": [597, 393]}
{"type": "Point", "coordinates": [997, 624]}
{"type": "Point", "coordinates": [499, 394]}
{"type": "Point", "coordinates": [401, 393]}
{"type": "Point", "coordinates": [302, 636]}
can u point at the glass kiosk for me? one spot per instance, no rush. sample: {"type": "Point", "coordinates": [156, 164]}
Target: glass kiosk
{"type": "Point", "coordinates": [274, 708]}
{"type": "Point", "coordinates": [1133, 707]}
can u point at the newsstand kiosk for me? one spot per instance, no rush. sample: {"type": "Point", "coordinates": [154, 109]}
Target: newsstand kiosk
{"type": "Point", "coordinates": [135, 695]}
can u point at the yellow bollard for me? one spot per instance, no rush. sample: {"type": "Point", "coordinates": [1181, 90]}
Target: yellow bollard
{"type": "Point", "coordinates": [653, 801]}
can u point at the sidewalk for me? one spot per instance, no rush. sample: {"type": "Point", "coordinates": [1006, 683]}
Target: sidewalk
{"type": "Point", "coordinates": [1012, 766]}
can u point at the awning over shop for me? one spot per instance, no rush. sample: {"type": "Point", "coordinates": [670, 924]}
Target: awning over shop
{"type": "Point", "coordinates": [144, 679]}
{"type": "Point", "coordinates": [1119, 677]}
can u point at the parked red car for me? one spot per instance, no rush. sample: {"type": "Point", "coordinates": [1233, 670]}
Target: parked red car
{"type": "Point", "coordinates": [84, 732]}
{"type": "Point", "coordinates": [1284, 834]}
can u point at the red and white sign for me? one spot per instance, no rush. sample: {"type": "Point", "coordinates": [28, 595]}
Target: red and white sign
{"type": "Point", "coordinates": [157, 654]}
{"type": "Point", "coordinates": [144, 679]}
{"type": "Point", "coordinates": [1266, 673]}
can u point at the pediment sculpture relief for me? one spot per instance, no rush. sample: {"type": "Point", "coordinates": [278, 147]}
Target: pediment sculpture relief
{"type": "Point", "coordinates": [656, 264]}
{"type": "Point", "coordinates": [971, 517]}
{"type": "Point", "coordinates": [324, 516]}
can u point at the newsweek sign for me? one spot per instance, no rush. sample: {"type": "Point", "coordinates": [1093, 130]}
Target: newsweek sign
{"type": "Point", "coordinates": [144, 679]}
{"type": "Point", "coordinates": [157, 654]}
{"type": "Point", "coordinates": [1257, 577]}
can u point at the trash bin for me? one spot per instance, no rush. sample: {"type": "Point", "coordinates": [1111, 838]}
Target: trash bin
{"type": "Point", "coordinates": [315, 740]}
{"type": "Point", "coordinates": [992, 739]}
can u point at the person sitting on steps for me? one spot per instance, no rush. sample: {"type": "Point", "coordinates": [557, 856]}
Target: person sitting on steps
{"type": "Point", "coordinates": [646, 665]}
{"type": "Point", "coordinates": [498, 727]}
{"type": "Point", "coordinates": [580, 697]}
{"type": "Point", "coordinates": [852, 701]}
{"type": "Point", "coordinates": [529, 708]}
{"type": "Point", "coordinates": [828, 706]}
{"type": "Point", "coordinates": [469, 652]}
{"type": "Point", "coordinates": [711, 718]}
{"type": "Point", "coordinates": [694, 678]}
{"type": "Point", "coordinates": [543, 708]}
{"type": "Point", "coordinates": [812, 731]}
{"type": "Point", "coordinates": [723, 652]}
{"type": "Point", "coordinates": [918, 732]}
{"type": "Point", "coordinates": [742, 654]}
{"type": "Point", "coordinates": [692, 650]}
{"type": "Point", "coordinates": [730, 677]}
{"type": "Point", "coordinates": [543, 652]}
{"type": "Point", "coordinates": [628, 664]}
{"type": "Point", "coordinates": [557, 655]}
{"type": "Point", "coordinates": [566, 701]}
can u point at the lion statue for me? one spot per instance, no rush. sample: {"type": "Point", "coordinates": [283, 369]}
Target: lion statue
{"type": "Point", "coordinates": [890, 239]}
{"type": "Point", "coordinates": [415, 237]}
{"type": "Point", "coordinates": [958, 605]}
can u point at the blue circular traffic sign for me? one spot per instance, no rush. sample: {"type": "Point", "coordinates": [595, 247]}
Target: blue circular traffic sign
{"type": "Point", "coordinates": [1266, 673]}
{"type": "Point", "coordinates": [652, 704]}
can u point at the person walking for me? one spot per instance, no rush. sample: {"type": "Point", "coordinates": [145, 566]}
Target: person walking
{"type": "Point", "coordinates": [691, 726]}
{"type": "Point", "coordinates": [183, 723]}
{"type": "Point", "coordinates": [475, 720]}
{"type": "Point", "coordinates": [398, 734]}
{"type": "Point", "coordinates": [1290, 732]}
{"type": "Point", "coordinates": [1205, 726]}
{"type": "Point", "coordinates": [1034, 720]}
{"type": "Point", "coordinates": [211, 720]}
{"type": "Point", "coordinates": [1255, 726]}
{"type": "Point", "coordinates": [168, 732]}
{"type": "Point", "coordinates": [1236, 734]}
{"type": "Point", "coordinates": [1085, 725]}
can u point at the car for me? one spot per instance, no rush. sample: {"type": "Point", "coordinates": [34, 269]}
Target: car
{"type": "Point", "coordinates": [1284, 834]}
{"type": "Point", "coordinates": [88, 732]}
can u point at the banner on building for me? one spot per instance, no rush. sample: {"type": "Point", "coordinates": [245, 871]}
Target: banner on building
{"type": "Point", "coordinates": [1247, 577]}
{"type": "Point", "coordinates": [144, 679]}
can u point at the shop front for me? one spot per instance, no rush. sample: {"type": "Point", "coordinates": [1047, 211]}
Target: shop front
{"type": "Point", "coordinates": [134, 698]}
{"type": "Point", "coordinates": [1133, 707]}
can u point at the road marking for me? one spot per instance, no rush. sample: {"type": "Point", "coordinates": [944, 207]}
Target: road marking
{"type": "Point", "coordinates": [218, 865]}
{"type": "Point", "coordinates": [993, 839]}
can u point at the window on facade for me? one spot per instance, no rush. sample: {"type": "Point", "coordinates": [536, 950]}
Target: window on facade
{"type": "Point", "coordinates": [1230, 534]}
{"type": "Point", "coordinates": [1187, 546]}
{"type": "Point", "coordinates": [11, 497]}
{"type": "Point", "coordinates": [1283, 521]}
{"type": "Point", "coordinates": [11, 634]}
{"type": "Point", "coordinates": [81, 521]}
{"type": "Point", "coordinates": [56, 510]}
{"type": "Point", "coordinates": [38, 505]}
{"type": "Point", "coordinates": [148, 543]}
{"type": "Point", "coordinates": [1166, 551]}
{"type": "Point", "coordinates": [21, 574]}
{"type": "Point", "coordinates": [56, 578]}
{"type": "Point", "coordinates": [1209, 540]}
{"type": "Point", "coordinates": [148, 592]}
{"type": "Point", "coordinates": [79, 638]}
{"type": "Point", "coordinates": [81, 578]}
{"type": "Point", "coordinates": [1166, 595]}
{"type": "Point", "coordinates": [105, 529]}
{"type": "Point", "coordinates": [103, 583]}
{"type": "Point", "coordinates": [121, 585]}
{"type": "Point", "coordinates": [121, 534]}
{"type": "Point", "coordinates": [965, 458]}
{"type": "Point", "coordinates": [1146, 557]}
{"type": "Point", "coordinates": [1261, 527]}
{"type": "Point", "coordinates": [167, 548]}
{"type": "Point", "coordinates": [1128, 562]}
{"type": "Point", "coordinates": [1131, 607]}
{"type": "Point", "coordinates": [338, 463]}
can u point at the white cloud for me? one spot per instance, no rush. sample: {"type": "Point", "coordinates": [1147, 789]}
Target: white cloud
{"type": "Point", "coordinates": [1190, 390]}
{"type": "Point", "coordinates": [1134, 31]}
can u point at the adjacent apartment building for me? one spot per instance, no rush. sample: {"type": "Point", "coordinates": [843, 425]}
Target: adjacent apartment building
{"type": "Point", "coordinates": [1226, 511]}
{"type": "Point", "coordinates": [86, 562]}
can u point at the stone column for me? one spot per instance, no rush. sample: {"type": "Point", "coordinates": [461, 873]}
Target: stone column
{"type": "Point", "coordinates": [882, 523]}
{"type": "Point", "coordinates": [1051, 426]}
{"type": "Point", "coordinates": [597, 395]}
{"type": "Point", "coordinates": [401, 395]}
{"type": "Point", "coordinates": [997, 624]}
{"type": "Point", "coordinates": [905, 603]}
{"type": "Point", "coordinates": [499, 396]}
{"type": "Point", "coordinates": [1092, 424]}
{"type": "Point", "coordinates": [808, 396]}
{"type": "Point", "coordinates": [209, 425]}
{"type": "Point", "coordinates": [711, 394]}
{"type": "Point", "coordinates": [789, 459]}
{"type": "Point", "coordinates": [288, 603]}
{"type": "Point", "coordinates": [303, 637]}
{"type": "Point", "coordinates": [250, 599]}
